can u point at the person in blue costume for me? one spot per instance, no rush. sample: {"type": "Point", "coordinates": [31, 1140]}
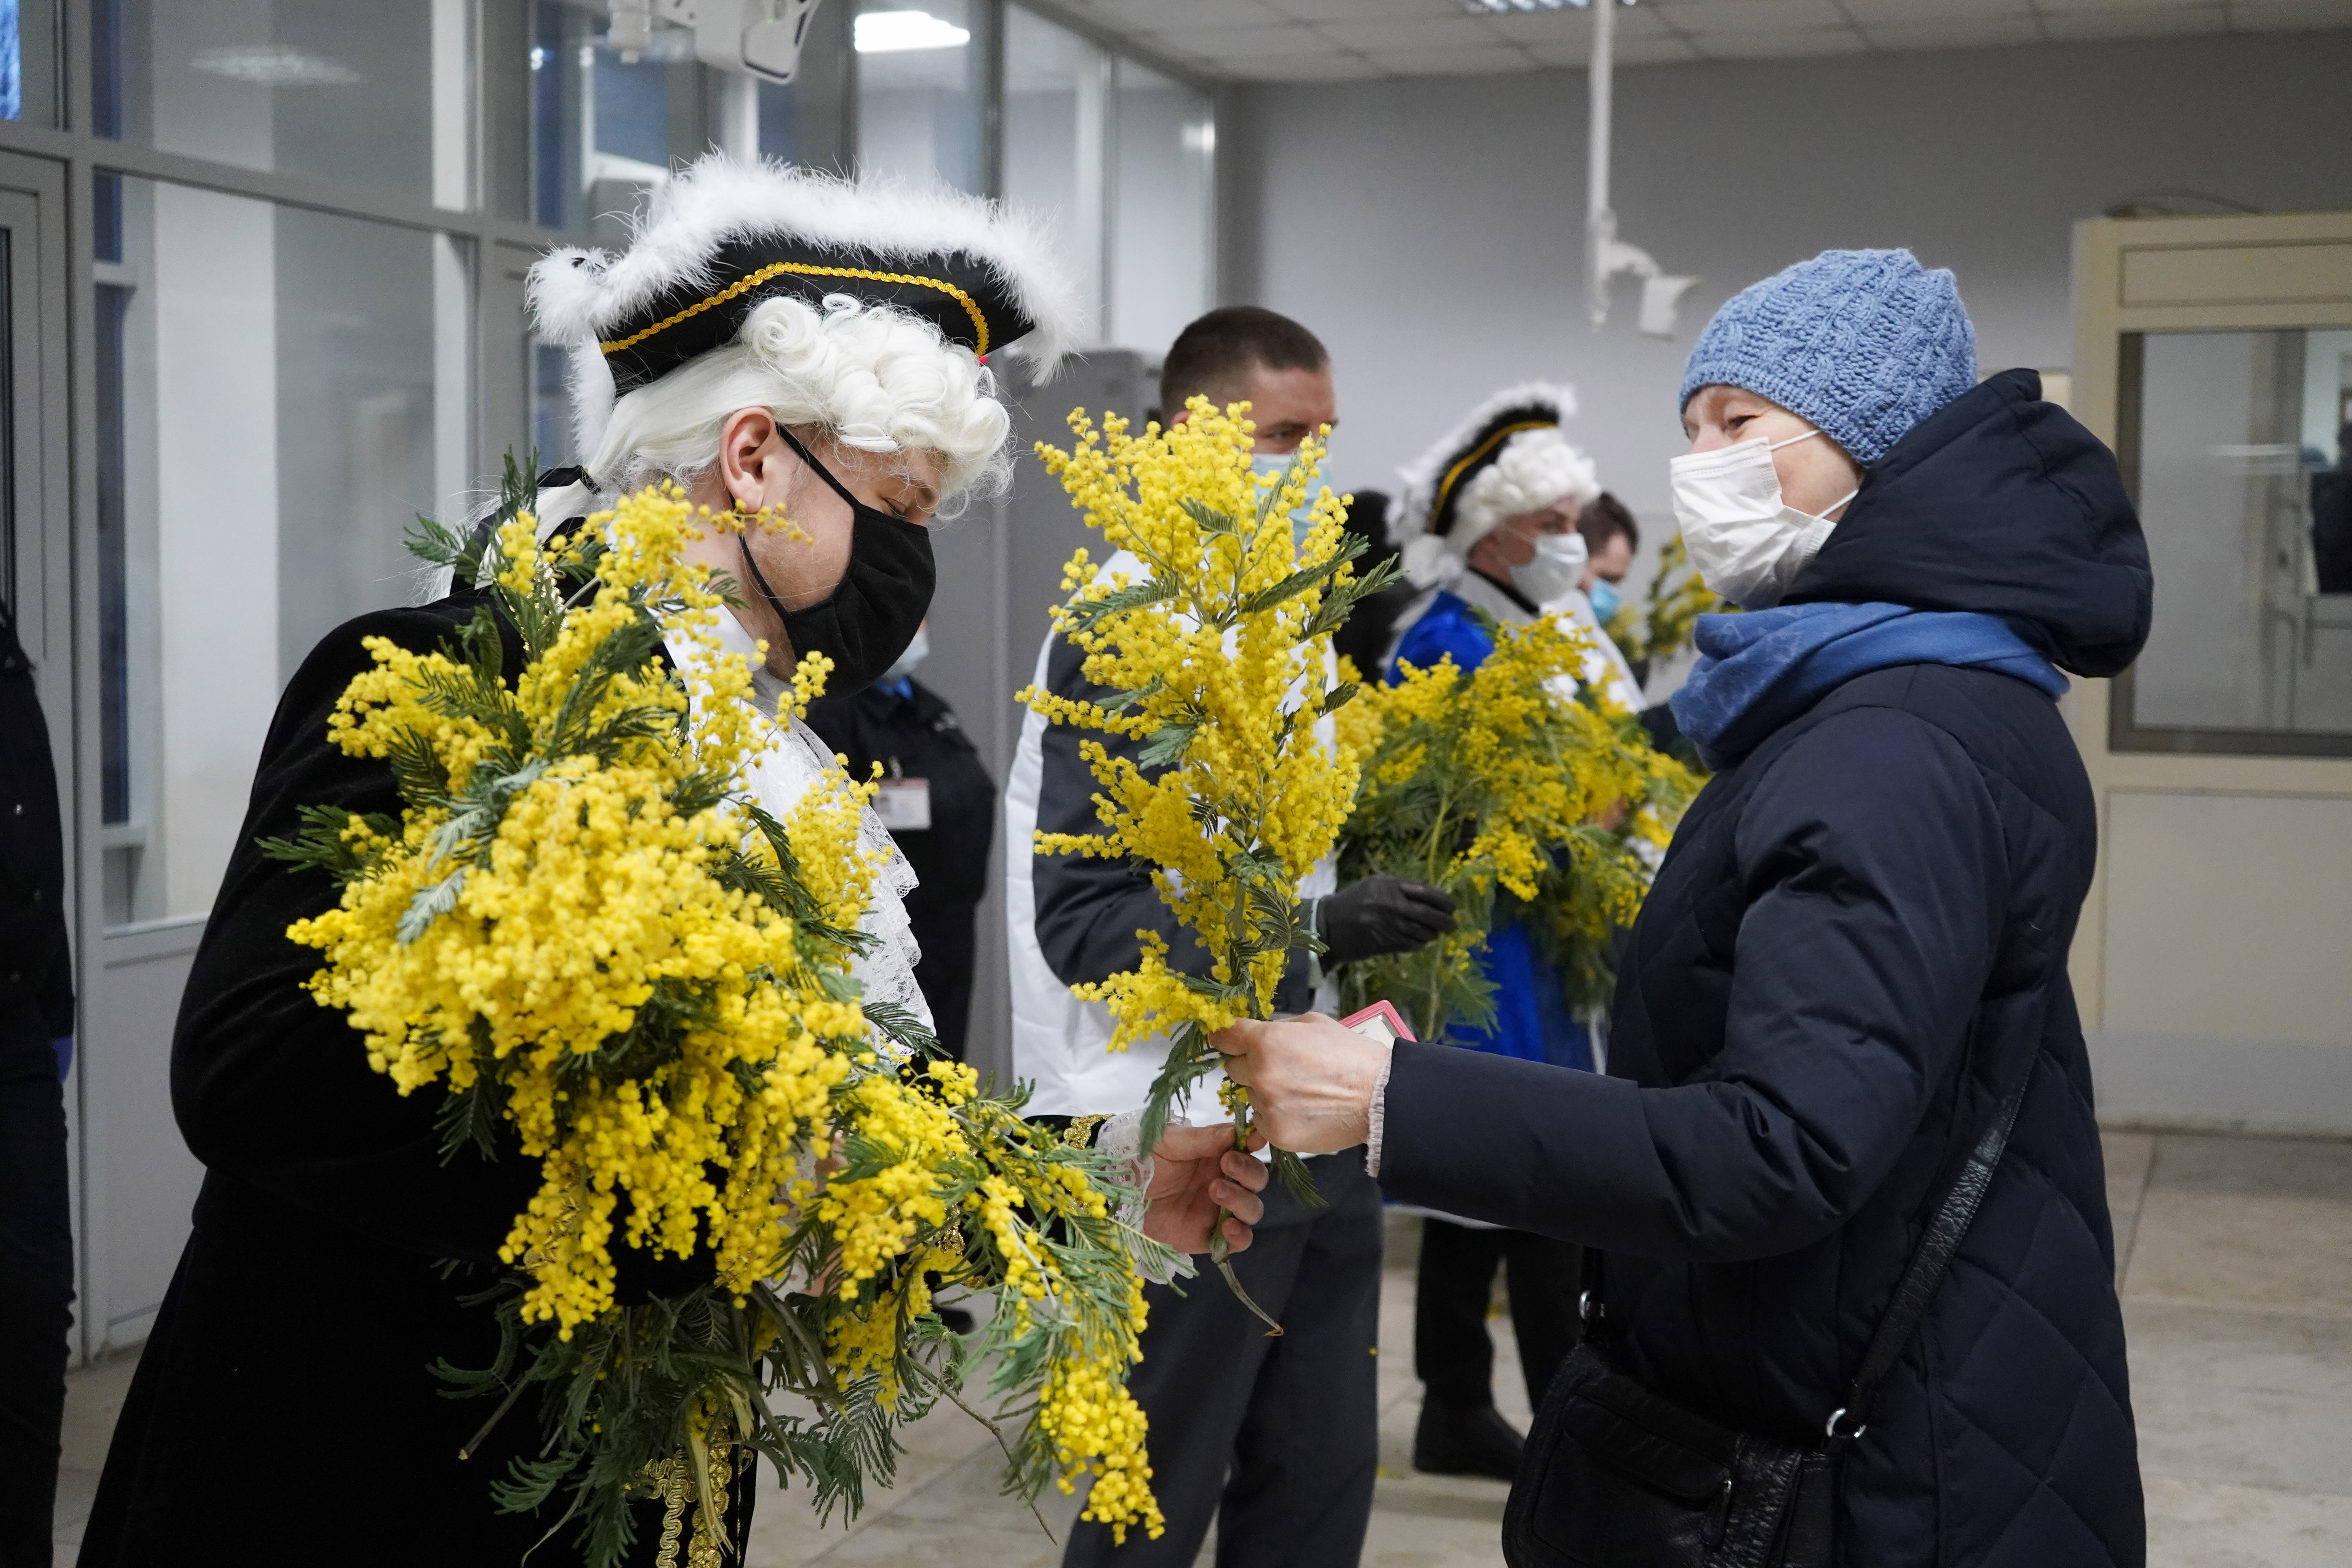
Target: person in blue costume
{"type": "Point", "coordinates": [1491, 513]}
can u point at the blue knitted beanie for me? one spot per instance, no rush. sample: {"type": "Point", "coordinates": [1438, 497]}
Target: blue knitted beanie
{"type": "Point", "coordinates": [1864, 343]}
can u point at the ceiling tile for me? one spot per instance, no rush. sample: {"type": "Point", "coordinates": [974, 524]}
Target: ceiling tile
{"type": "Point", "coordinates": [1747, 16]}
{"type": "Point", "coordinates": [1560, 27]}
{"type": "Point", "coordinates": [1870, 12]}
{"type": "Point", "coordinates": [1979, 33]}
{"type": "Point", "coordinates": [2159, 9]}
{"type": "Point", "coordinates": [1780, 44]}
{"type": "Point", "coordinates": [2074, 26]}
{"type": "Point", "coordinates": [1300, 68]}
{"type": "Point", "coordinates": [1490, 60]}
{"type": "Point", "coordinates": [1159, 17]}
{"type": "Point", "coordinates": [1360, 10]}
{"type": "Point", "coordinates": [1406, 35]}
{"type": "Point", "coordinates": [1216, 43]}
{"type": "Point", "coordinates": [2295, 17]}
{"type": "Point", "coordinates": [1628, 52]}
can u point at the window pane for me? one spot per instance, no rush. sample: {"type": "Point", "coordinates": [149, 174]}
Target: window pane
{"type": "Point", "coordinates": [578, 133]}
{"type": "Point", "coordinates": [1163, 208]}
{"type": "Point", "coordinates": [28, 61]}
{"type": "Point", "coordinates": [1055, 91]}
{"type": "Point", "coordinates": [374, 93]}
{"type": "Point", "coordinates": [922, 91]}
{"type": "Point", "coordinates": [279, 391]}
{"type": "Point", "coordinates": [2245, 492]}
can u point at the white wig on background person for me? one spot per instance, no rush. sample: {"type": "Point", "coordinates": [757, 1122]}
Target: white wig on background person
{"type": "Point", "coordinates": [1505, 459]}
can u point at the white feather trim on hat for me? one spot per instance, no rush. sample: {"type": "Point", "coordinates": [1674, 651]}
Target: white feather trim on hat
{"type": "Point", "coordinates": [1421, 476]}
{"type": "Point", "coordinates": [592, 396]}
{"type": "Point", "coordinates": [575, 293]}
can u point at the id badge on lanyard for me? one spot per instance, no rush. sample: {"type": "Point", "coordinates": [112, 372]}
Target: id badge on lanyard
{"type": "Point", "coordinates": [904, 805]}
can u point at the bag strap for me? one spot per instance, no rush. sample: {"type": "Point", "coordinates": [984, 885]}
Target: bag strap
{"type": "Point", "coordinates": [1929, 1261]}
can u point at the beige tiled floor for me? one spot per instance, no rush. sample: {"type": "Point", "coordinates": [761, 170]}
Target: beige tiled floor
{"type": "Point", "coordinates": [2236, 1262]}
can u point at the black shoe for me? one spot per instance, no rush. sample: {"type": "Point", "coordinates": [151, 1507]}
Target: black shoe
{"type": "Point", "coordinates": [1466, 1440]}
{"type": "Point", "coordinates": [956, 1319]}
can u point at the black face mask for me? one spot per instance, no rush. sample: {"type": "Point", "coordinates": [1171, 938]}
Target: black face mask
{"type": "Point", "coordinates": [865, 624]}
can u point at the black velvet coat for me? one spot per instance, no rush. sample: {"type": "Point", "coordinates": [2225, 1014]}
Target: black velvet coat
{"type": "Point", "coordinates": [285, 1410]}
{"type": "Point", "coordinates": [1857, 940]}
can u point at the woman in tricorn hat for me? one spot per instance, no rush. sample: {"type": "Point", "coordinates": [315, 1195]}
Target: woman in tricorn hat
{"type": "Point", "coordinates": [773, 339]}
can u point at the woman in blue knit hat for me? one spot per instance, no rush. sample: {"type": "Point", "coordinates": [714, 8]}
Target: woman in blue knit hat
{"type": "Point", "coordinates": [1857, 1305]}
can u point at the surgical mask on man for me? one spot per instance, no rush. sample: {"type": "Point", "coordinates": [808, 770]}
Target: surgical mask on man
{"type": "Point", "coordinates": [1302, 516]}
{"type": "Point", "coordinates": [1748, 543]}
{"type": "Point", "coordinates": [1603, 595]}
{"type": "Point", "coordinates": [916, 651]}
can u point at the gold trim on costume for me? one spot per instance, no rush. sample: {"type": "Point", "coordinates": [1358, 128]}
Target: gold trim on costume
{"type": "Point", "coordinates": [673, 1484]}
{"type": "Point", "coordinates": [1080, 1132]}
{"type": "Point", "coordinates": [1445, 485]}
{"type": "Point", "coordinates": [810, 270]}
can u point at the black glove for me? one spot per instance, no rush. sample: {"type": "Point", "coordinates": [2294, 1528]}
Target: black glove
{"type": "Point", "coordinates": [1379, 915]}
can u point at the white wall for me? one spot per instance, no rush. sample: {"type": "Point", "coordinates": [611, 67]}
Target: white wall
{"type": "Point", "coordinates": [1429, 230]}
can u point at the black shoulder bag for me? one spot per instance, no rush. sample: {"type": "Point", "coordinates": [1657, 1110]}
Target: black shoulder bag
{"type": "Point", "coordinates": [1614, 1476]}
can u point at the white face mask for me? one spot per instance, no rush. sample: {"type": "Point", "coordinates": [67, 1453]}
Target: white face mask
{"type": "Point", "coordinates": [1557, 566]}
{"type": "Point", "coordinates": [1748, 543]}
{"type": "Point", "coordinates": [1302, 516]}
{"type": "Point", "coordinates": [916, 651]}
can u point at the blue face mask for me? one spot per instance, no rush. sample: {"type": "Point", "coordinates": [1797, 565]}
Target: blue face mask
{"type": "Point", "coordinates": [1603, 595]}
{"type": "Point", "coordinates": [916, 651]}
{"type": "Point", "coordinates": [1302, 516]}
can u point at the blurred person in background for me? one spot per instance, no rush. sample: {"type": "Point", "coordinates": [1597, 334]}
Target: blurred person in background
{"type": "Point", "coordinates": [939, 804]}
{"type": "Point", "coordinates": [37, 1025]}
{"type": "Point", "coordinates": [1611, 538]}
{"type": "Point", "coordinates": [1493, 523]}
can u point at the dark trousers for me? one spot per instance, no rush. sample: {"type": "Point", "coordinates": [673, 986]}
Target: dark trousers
{"type": "Point", "coordinates": [1274, 1439]}
{"type": "Point", "coordinates": [35, 1288]}
{"type": "Point", "coordinates": [1450, 1351]}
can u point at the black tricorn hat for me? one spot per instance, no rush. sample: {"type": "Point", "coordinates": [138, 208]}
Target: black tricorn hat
{"type": "Point", "coordinates": [1434, 485]}
{"type": "Point", "coordinates": [723, 235]}
{"type": "Point", "coordinates": [963, 295]}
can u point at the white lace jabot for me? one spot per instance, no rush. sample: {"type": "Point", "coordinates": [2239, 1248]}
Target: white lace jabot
{"type": "Point", "coordinates": [798, 760]}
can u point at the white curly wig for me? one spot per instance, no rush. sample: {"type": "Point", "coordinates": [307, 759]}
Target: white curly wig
{"type": "Point", "coordinates": [1536, 466]}
{"type": "Point", "coordinates": [877, 379]}
{"type": "Point", "coordinates": [1535, 469]}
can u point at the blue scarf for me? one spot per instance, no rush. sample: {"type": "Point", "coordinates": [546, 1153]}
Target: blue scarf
{"type": "Point", "coordinates": [1758, 671]}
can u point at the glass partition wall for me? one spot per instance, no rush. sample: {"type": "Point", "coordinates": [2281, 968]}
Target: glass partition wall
{"type": "Point", "coordinates": [281, 391]}
{"type": "Point", "coordinates": [2239, 447]}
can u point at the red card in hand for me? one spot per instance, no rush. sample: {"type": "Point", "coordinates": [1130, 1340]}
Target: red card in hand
{"type": "Point", "coordinates": [1381, 1022]}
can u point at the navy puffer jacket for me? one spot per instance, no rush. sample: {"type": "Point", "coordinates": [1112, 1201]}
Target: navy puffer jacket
{"type": "Point", "coordinates": [1857, 938]}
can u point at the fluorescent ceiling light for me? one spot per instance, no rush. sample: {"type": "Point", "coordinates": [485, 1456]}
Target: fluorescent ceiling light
{"type": "Point", "coordinates": [275, 65]}
{"type": "Point", "coordinates": [890, 32]}
{"type": "Point", "coordinates": [1507, 7]}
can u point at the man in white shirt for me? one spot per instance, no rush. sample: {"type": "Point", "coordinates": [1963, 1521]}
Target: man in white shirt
{"type": "Point", "coordinates": [1292, 1421]}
